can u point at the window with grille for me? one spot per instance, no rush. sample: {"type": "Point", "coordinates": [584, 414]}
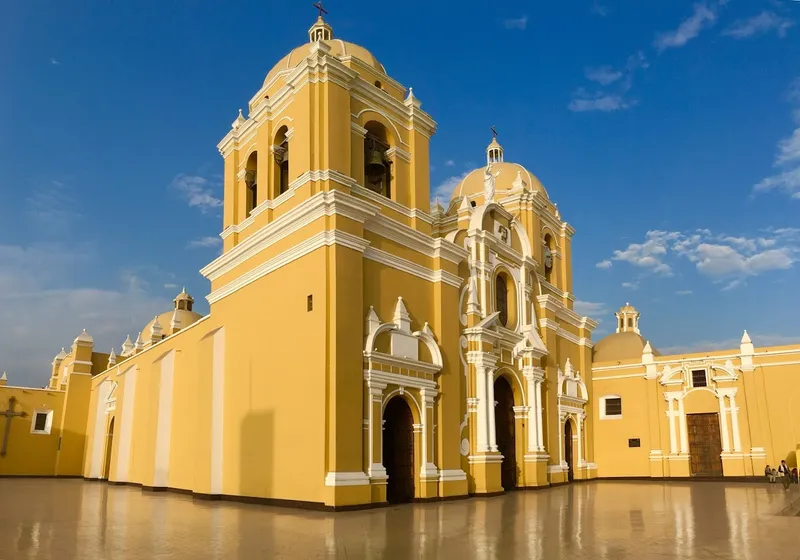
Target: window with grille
{"type": "Point", "coordinates": [699, 378]}
{"type": "Point", "coordinates": [612, 406]}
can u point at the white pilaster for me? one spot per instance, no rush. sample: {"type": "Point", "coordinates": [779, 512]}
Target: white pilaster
{"type": "Point", "coordinates": [533, 415]}
{"type": "Point", "coordinates": [682, 424]}
{"type": "Point", "coordinates": [580, 420]}
{"type": "Point", "coordinates": [673, 445]}
{"type": "Point", "coordinates": [723, 424]}
{"type": "Point", "coordinates": [99, 438]}
{"type": "Point", "coordinates": [492, 406]}
{"type": "Point", "coordinates": [737, 442]}
{"type": "Point", "coordinates": [482, 271]}
{"type": "Point", "coordinates": [483, 425]}
{"type": "Point", "coordinates": [376, 470]}
{"type": "Point", "coordinates": [540, 415]}
{"type": "Point", "coordinates": [429, 469]}
{"type": "Point", "coordinates": [126, 425]}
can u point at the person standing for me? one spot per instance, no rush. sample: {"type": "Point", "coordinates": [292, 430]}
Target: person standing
{"type": "Point", "coordinates": [785, 474]}
{"type": "Point", "coordinates": [768, 473]}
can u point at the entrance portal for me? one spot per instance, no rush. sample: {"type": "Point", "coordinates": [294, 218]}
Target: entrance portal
{"type": "Point", "coordinates": [109, 447]}
{"type": "Point", "coordinates": [398, 451]}
{"type": "Point", "coordinates": [705, 445]}
{"type": "Point", "coordinates": [505, 432]}
{"type": "Point", "coordinates": [568, 449]}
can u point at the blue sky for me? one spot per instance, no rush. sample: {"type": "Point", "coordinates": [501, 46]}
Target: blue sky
{"type": "Point", "coordinates": [667, 131]}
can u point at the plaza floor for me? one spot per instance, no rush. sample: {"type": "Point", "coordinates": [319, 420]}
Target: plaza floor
{"type": "Point", "coordinates": [71, 519]}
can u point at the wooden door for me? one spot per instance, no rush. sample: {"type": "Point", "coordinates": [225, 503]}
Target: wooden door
{"type": "Point", "coordinates": [705, 445]}
{"type": "Point", "coordinates": [568, 449]}
{"type": "Point", "coordinates": [505, 432]}
{"type": "Point", "coordinates": [398, 451]}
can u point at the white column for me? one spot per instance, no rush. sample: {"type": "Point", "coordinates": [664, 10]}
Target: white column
{"type": "Point", "coordinates": [428, 468]}
{"type": "Point", "coordinates": [482, 270]}
{"type": "Point", "coordinates": [533, 415]}
{"type": "Point", "coordinates": [579, 421]}
{"type": "Point", "coordinates": [540, 415]}
{"type": "Point", "coordinates": [737, 442]}
{"type": "Point", "coordinates": [561, 420]}
{"type": "Point", "coordinates": [682, 424]}
{"type": "Point", "coordinates": [523, 295]}
{"type": "Point", "coordinates": [723, 425]}
{"type": "Point", "coordinates": [492, 429]}
{"type": "Point", "coordinates": [673, 446]}
{"type": "Point", "coordinates": [375, 428]}
{"type": "Point", "coordinates": [480, 382]}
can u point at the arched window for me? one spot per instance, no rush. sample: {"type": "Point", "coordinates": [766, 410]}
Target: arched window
{"type": "Point", "coordinates": [281, 151]}
{"type": "Point", "coordinates": [501, 299]}
{"type": "Point", "coordinates": [377, 166]}
{"type": "Point", "coordinates": [630, 322]}
{"type": "Point", "coordinates": [548, 258]}
{"type": "Point", "coordinates": [251, 182]}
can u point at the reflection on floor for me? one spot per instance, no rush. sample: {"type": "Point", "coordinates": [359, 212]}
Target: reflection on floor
{"type": "Point", "coordinates": [70, 519]}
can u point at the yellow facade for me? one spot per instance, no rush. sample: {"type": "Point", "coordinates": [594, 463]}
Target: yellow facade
{"type": "Point", "coordinates": [361, 346]}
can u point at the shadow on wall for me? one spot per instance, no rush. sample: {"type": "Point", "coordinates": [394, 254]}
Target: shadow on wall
{"type": "Point", "coordinates": [791, 457]}
{"type": "Point", "coordinates": [256, 461]}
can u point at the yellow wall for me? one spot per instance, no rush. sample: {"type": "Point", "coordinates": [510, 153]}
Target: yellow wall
{"type": "Point", "coordinates": [27, 453]}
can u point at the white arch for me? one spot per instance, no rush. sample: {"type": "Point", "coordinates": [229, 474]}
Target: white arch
{"type": "Point", "coordinates": [388, 119]}
{"type": "Point", "coordinates": [516, 378]}
{"type": "Point", "coordinates": [430, 342]}
{"type": "Point", "coordinates": [389, 396]}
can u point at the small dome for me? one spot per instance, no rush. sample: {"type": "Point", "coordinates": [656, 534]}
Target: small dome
{"type": "Point", "coordinates": [186, 318]}
{"type": "Point", "coordinates": [504, 183]}
{"type": "Point", "coordinates": [619, 347]}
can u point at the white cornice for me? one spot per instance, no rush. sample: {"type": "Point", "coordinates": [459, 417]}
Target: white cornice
{"type": "Point", "coordinates": [401, 380]}
{"type": "Point", "coordinates": [321, 204]}
{"type": "Point", "coordinates": [413, 239]}
{"type": "Point", "coordinates": [562, 312]}
{"type": "Point", "coordinates": [322, 239]}
{"type": "Point", "coordinates": [389, 203]}
{"type": "Point", "coordinates": [552, 325]}
{"type": "Point", "coordinates": [412, 268]}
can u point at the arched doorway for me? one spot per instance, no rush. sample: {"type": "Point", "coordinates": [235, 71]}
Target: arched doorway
{"type": "Point", "coordinates": [398, 451]}
{"type": "Point", "coordinates": [505, 432]}
{"type": "Point", "coordinates": [109, 447]}
{"type": "Point", "coordinates": [568, 448]}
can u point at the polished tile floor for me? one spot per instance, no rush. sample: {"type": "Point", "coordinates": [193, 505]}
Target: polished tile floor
{"type": "Point", "coordinates": [70, 519]}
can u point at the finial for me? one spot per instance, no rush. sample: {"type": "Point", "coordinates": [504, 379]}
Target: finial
{"type": "Point", "coordinates": [411, 100]}
{"type": "Point", "coordinates": [746, 338]}
{"type": "Point", "coordinates": [494, 132]}
{"type": "Point", "coordinates": [4, 377]}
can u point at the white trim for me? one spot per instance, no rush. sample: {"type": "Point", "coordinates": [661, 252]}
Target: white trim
{"type": "Point", "coordinates": [48, 422]}
{"type": "Point", "coordinates": [322, 239]}
{"type": "Point", "coordinates": [399, 380]}
{"type": "Point", "coordinates": [217, 409]}
{"type": "Point", "coordinates": [164, 427]}
{"type": "Point", "coordinates": [412, 268]}
{"type": "Point", "coordinates": [346, 479]}
{"type": "Point", "coordinates": [450, 475]}
{"type": "Point", "coordinates": [484, 459]}
{"type": "Point", "coordinates": [602, 408]}
{"type": "Point", "coordinates": [126, 424]}
{"type": "Point", "coordinates": [81, 363]}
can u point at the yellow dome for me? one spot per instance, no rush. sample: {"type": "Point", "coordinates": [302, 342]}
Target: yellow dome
{"type": "Point", "coordinates": [620, 346]}
{"type": "Point", "coordinates": [340, 49]}
{"type": "Point", "coordinates": [473, 182]}
{"type": "Point", "coordinates": [186, 318]}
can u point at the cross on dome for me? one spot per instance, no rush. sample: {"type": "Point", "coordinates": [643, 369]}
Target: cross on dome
{"type": "Point", "coordinates": [320, 31]}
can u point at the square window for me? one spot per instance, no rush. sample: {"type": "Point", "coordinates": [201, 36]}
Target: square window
{"type": "Point", "coordinates": [613, 406]}
{"type": "Point", "coordinates": [634, 442]}
{"type": "Point", "coordinates": [699, 378]}
{"type": "Point", "coordinates": [42, 422]}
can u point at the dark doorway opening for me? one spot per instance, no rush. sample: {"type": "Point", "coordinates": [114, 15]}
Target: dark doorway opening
{"type": "Point", "coordinates": [505, 432]}
{"type": "Point", "coordinates": [109, 447]}
{"type": "Point", "coordinates": [398, 451]}
{"type": "Point", "coordinates": [568, 449]}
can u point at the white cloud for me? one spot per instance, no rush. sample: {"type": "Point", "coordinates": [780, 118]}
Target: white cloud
{"type": "Point", "coordinates": [599, 9]}
{"type": "Point", "coordinates": [54, 62]}
{"type": "Point", "coordinates": [590, 309]}
{"type": "Point", "coordinates": [199, 192]}
{"type": "Point", "coordinates": [52, 206]}
{"type": "Point", "coordinates": [516, 23]}
{"type": "Point", "coordinates": [171, 286]}
{"type": "Point", "coordinates": [787, 179]}
{"type": "Point", "coordinates": [703, 16]}
{"type": "Point", "coordinates": [717, 256]}
{"type": "Point", "coordinates": [583, 101]}
{"type": "Point", "coordinates": [604, 265]}
{"type": "Point", "coordinates": [760, 340]}
{"type": "Point", "coordinates": [43, 307]}
{"type": "Point", "coordinates": [444, 190]}
{"type": "Point", "coordinates": [603, 75]}
{"type": "Point", "coordinates": [450, 163]}
{"type": "Point", "coordinates": [631, 285]}
{"type": "Point", "coordinates": [684, 292]}
{"type": "Point", "coordinates": [210, 242]}
{"type": "Point", "coordinates": [614, 99]}
{"type": "Point", "coordinates": [757, 25]}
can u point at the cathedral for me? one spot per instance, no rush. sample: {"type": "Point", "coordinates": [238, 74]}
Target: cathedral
{"type": "Point", "coordinates": [364, 346]}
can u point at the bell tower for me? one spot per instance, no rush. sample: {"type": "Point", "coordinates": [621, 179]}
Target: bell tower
{"type": "Point", "coordinates": [327, 117]}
